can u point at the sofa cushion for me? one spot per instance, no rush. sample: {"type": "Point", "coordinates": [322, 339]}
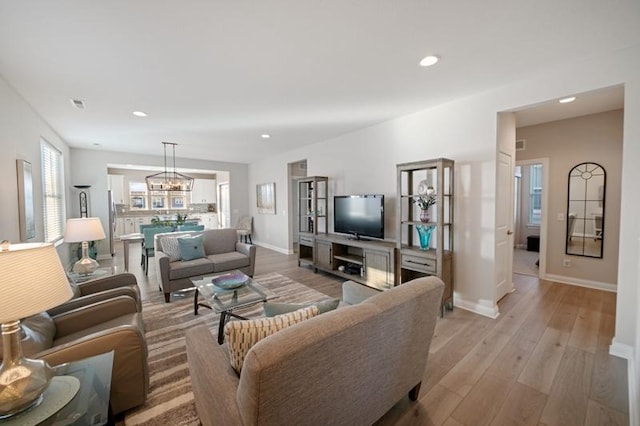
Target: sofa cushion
{"type": "Point", "coordinates": [229, 261]}
{"type": "Point", "coordinates": [220, 240]}
{"type": "Point", "coordinates": [191, 247]}
{"type": "Point", "coordinates": [36, 334]}
{"type": "Point", "coordinates": [189, 268]}
{"type": "Point", "coordinates": [242, 335]}
{"type": "Point", "coordinates": [171, 246]}
{"type": "Point", "coordinates": [272, 309]}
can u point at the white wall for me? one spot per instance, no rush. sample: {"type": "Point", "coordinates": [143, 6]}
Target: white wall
{"type": "Point", "coordinates": [89, 167]}
{"type": "Point", "coordinates": [21, 129]}
{"type": "Point", "coordinates": [465, 131]}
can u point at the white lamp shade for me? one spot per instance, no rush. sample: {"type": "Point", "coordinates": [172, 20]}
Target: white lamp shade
{"type": "Point", "coordinates": [83, 229]}
{"type": "Point", "coordinates": [32, 280]}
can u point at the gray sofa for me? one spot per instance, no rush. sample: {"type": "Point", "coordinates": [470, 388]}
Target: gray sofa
{"type": "Point", "coordinates": [223, 253]}
{"type": "Point", "coordinates": [344, 367]}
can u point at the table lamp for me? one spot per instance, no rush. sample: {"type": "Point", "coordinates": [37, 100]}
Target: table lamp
{"type": "Point", "coordinates": [83, 230]}
{"type": "Point", "coordinates": [32, 281]}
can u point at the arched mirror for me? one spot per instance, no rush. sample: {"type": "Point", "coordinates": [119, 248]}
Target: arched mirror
{"type": "Point", "coordinates": [585, 210]}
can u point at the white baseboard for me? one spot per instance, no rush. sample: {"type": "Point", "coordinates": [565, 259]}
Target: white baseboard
{"type": "Point", "coordinates": [621, 350]}
{"type": "Point", "coordinates": [627, 352]}
{"type": "Point", "coordinates": [477, 308]}
{"type": "Point", "coordinates": [582, 283]}
{"type": "Point", "coordinates": [274, 248]}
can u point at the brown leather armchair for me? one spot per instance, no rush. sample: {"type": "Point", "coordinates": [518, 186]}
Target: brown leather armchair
{"type": "Point", "coordinates": [124, 284]}
{"type": "Point", "coordinates": [112, 324]}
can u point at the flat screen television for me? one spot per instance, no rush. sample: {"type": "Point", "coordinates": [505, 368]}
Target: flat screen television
{"type": "Point", "coordinates": [359, 215]}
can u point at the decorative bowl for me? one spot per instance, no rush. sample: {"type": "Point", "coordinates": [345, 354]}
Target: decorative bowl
{"type": "Point", "coordinates": [230, 281]}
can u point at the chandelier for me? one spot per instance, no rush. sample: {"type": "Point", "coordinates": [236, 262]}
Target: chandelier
{"type": "Point", "coordinates": [169, 181]}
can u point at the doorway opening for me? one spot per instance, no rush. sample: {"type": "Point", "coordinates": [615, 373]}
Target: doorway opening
{"type": "Point", "coordinates": [529, 204]}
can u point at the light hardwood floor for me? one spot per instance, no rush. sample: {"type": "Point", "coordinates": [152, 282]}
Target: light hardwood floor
{"type": "Point", "coordinates": [543, 361]}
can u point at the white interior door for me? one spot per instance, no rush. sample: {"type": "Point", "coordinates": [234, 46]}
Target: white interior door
{"type": "Point", "coordinates": [504, 225]}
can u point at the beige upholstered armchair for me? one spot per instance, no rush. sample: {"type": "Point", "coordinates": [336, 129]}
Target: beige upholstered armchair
{"type": "Point", "coordinates": [244, 228]}
{"type": "Point", "coordinates": [109, 325]}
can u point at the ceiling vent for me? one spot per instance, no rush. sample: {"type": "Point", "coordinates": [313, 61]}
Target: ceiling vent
{"type": "Point", "coordinates": [77, 103]}
{"type": "Point", "coordinates": [520, 145]}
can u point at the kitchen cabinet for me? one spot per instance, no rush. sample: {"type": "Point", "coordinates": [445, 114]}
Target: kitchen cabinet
{"type": "Point", "coordinates": [130, 225]}
{"type": "Point", "coordinates": [204, 191]}
{"type": "Point", "coordinates": [209, 220]}
{"type": "Point", "coordinates": [120, 227]}
{"type": "Point", "coordinates": [116, 185]}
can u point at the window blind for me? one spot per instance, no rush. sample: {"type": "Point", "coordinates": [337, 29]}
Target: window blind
{"type": "Point", "coordinates": [52, 191]}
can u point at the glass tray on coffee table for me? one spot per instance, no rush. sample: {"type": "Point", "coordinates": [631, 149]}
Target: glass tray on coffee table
{"type": "Point", "coordinates": [225, 300]}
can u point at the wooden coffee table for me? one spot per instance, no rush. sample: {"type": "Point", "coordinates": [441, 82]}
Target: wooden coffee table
{"type": "Point", "coordinates": [225, 301]}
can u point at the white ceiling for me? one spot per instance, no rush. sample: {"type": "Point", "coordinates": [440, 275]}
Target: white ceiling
{"type": "Point", "coordinates": [213, 75]}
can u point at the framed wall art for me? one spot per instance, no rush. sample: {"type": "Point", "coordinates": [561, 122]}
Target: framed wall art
{"type": "Point", "coordinates": [266, 198]}
{"type": "Point", "coordinates": [25, 201]}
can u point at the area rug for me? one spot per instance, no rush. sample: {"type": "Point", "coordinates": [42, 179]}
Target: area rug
{"type": "Point", "coordinates": [170, 400]}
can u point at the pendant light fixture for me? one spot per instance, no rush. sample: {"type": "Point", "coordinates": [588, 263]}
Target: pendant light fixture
{"type": "Point", "coordinates": [169, 181]}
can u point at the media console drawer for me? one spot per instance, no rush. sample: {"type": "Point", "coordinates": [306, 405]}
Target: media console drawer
{"type": "Point", "coordinates": [419, 263]}
{"type": "Point", "coordinates": [306, 241]}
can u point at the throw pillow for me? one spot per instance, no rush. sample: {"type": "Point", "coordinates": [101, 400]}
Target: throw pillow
{"type": "Point", "coordinates": [36, 334]}
{"type": "Point", "coordinates": [272, 309]}
{"type": "Point", "coordinates": [171, 247]}
{"type": "Point", "coordinates": [191, 247]}
{"type": "Point", "coordinates": [242, 335]}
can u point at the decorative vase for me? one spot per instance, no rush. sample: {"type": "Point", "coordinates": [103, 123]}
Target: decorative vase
{"type": "Point", "coordinates": [424, 216]}
{"type": "Point", "coordinates": [424, 233]}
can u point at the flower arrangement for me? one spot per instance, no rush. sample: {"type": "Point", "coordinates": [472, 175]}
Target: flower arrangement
{"type": "Point", "coordinates": [426, 200]}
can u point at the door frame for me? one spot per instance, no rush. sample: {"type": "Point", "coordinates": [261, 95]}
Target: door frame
{"type": "Point", "coordinates": [544, 218]}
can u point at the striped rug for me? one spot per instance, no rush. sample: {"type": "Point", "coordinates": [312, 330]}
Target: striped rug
{"type": "Point", "coordinates": [170, 400]}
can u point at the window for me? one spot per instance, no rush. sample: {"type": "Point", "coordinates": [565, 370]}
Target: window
{"type": "Point", "coordinates": [535, 194]}
{"type": "Point", "coordinates": [52, 191]}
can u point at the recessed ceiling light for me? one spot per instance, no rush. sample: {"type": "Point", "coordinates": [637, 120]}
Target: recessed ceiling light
{"type": "Point", "coordinates": [567, 100]}
{"type": "Point", "coordinates": [265, 136]}
{"type": "Point", "coordinates": [427, 61]}
{"type": "Point", "coordinates": [139, 114]}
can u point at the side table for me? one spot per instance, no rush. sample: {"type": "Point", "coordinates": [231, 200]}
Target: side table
{"type": "Point", "coordinates": [98, 273]}
{"type": "Point", "coordinates": [89, 407]}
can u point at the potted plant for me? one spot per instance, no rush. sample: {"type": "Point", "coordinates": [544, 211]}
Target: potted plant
{"type": "Point", "coordinates": [180, 220]}
{"type": "Point", "coordinates": [424, 201]}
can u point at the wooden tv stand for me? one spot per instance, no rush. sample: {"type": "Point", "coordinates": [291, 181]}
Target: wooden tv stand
{"type": "Point", "coordinates": [369, 262]}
